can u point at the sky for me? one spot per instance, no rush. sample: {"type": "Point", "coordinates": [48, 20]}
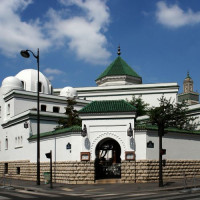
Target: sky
{"type": "Point", "coordinates": [78, 39]}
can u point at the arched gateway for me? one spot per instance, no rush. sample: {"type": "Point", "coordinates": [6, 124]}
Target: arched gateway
{"type": "Point", "coordinates": [108, 159]}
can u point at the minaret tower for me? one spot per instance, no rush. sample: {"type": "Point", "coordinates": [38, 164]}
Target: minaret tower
{"type": "Point", "coordinates": [188, 94]}
{"type": "Point", "coordinates": [188, 84]}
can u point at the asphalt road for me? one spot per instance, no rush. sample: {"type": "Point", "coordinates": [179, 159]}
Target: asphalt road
{"type": "Point", "coordinates": [98, 195]}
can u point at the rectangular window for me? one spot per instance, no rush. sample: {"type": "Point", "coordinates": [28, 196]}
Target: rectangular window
{"type": "Point", "coordinates": [43, 108]}
{"type": "Point", "coordinates": [6, 168]}
{"type": "Point", "coordinates": [56, 109]}
{"type": "Point", "coordinates": [8, 109]}
{"type": "Point", "coordinates": [18, 170]}
{"type": "Point", "coordinates": [18, 142]}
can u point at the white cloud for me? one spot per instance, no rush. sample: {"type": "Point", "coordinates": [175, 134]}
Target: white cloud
{"type": "Point", "coordinates": [50, 78]}
{"type": "Point", "coordinates": [82, 33]}
{"type": "Point", "coordinates": [85, 33]}
{"type": "Point", "coordinates": [52, 71]}
{"type": "Point", "coordinates": [16, 34]}
{"type": "Point", "coordinates": [173, 16]}
{"type": "Point", "coordinates": [145, 13]}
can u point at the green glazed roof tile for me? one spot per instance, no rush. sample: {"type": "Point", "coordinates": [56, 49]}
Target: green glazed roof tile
{"type": "Point", "coordinates": [170, 129]}
{"type": "Point", "coordinates": [118, 67]}
{"type": "Point", "coordinates": [56, 132]}
{"type": "Point", "coordinates": [108, 106]}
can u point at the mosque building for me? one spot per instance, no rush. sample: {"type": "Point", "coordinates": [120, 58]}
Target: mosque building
{"type": "Point", "coordinates": [109, 145]}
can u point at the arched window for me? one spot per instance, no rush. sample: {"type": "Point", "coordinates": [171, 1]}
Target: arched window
{"type": "Point", "coordinates": [23, 84]}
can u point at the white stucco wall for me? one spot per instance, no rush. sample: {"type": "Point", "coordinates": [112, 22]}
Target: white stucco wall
{"type": "Point", "coordinates": [58, 146]}
{"type": "Point", "coordinates": [140, 144]}
{"type": "Point", "coordinates": [16, 150]}
{"type": "Point", "coordinates": [108, 128]}
{"type": "Point", "coordinates": [27, 150]}
{"type": "Point", "coordinates": [150, 93]}
{"type": "Point", "coordinates": [178, 146]}
{"type": "Point", "coordinates": [194, 111]}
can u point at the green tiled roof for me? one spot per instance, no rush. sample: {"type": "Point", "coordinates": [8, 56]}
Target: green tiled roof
{"type": "Point", "coordinates": [56, 132]}
{"type": "Point", "coordinates": [170, 129]}
{"type": "Point", "coordinates": [108, 106]}
{"type": "Point", "coordinates": [118, 67]}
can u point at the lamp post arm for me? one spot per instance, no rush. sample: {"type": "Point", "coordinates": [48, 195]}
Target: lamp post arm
{"type": "Point", "coordinates": [36, 56]}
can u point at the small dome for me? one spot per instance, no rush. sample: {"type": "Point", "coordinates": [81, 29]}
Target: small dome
{"type": "Point", "coordinates": [29, 80]}
{"type": "Point", "coordinates": [68, 92]}
{"type": "Point", "coordinates": [11, 83]}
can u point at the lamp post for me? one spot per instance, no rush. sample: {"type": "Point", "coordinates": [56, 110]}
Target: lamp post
{"type": "Point", "coordinates": [25, 54]}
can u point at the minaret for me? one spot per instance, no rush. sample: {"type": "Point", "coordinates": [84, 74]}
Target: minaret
{"type": "Point", "coordinates": [188, 84]}
{"type": "Point", "coordinates": [188, 94]}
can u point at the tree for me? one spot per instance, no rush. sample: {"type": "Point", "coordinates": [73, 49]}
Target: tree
{"type": "Point", "coordinates": [140, 105]}
{"type": "Point", "coordinates": [169, 114]}
{"type": "Point", "coordinates": [72, 114]}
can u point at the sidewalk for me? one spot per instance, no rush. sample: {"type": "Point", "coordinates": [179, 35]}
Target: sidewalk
{"type": "Point", "coordinates": [117, 187]}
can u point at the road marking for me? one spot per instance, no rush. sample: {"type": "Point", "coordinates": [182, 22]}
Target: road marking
{"type": "Point", "coordinates": [67, 189]}
{"type": "Point", "coordinates": [117, 196]}
{"type": "Point", "coordinates": [163, 196]}
{"type": "Point", "coordinates": [180, 196]}
{"type": "Point", "coordinates": [94, 190]}
{"type": "Point", "coordinates": [13, 193]}
{"type": "Point", "coordinates": [24, 196]}
{"type": "Point", "coordinates": [3, 198]}
{"type": "Point", "coordinates": [38, 193]}
{"type": "Point", "coordinates": [73, 194]}
{"type": "Point", "coordinates": [108, 194]}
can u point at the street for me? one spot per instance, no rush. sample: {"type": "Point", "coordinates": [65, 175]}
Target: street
{"type": "Point", "coordinates": [97, 195]}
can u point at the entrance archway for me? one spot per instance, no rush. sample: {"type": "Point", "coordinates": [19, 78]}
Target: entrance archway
{"type": "Point", "coordinates": [108, 161]}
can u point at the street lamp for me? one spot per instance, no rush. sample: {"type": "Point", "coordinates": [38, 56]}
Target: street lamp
{"type": "Point", "coordinates": [25, 54]}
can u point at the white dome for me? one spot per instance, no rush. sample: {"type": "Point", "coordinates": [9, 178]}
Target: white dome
{"type": "Point", "coordinates": [68, 92]}
{"type": "Point", "coordinates": [29, 78]}
{"type": "Point", "coordinates": [11, 83]}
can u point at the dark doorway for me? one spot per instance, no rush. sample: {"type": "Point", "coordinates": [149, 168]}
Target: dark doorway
{"type": "Point", "coordinates": [108, 161]}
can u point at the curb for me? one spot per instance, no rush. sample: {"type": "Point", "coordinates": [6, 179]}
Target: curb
{"type": "Point", "coordinates": [187, 189]}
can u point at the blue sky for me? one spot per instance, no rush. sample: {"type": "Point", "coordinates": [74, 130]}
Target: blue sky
{"type": "Point", "coordinates": [78, 39]}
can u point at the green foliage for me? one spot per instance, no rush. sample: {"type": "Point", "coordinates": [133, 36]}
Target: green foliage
{"type": "Point", "coordinates": [72, 116]}
{"type": "Point", "coordinates": [140, 105]}
{"type": "Point", "coordinates": [170, 114]}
